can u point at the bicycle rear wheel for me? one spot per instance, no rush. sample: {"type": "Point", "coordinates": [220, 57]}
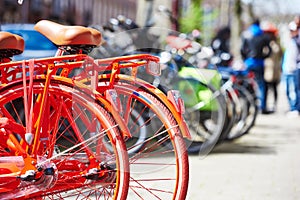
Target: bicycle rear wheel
{"type": "Point", "coordinates": [246, 121]}
{"type": "Point", "coordinates": [159, 167]}
{"type": "Point", "coordinates": [78, 131]}
{"type": "Point", "coordinates": [232, 111]}
{"type": "Point", "coordinates": [205, 114]}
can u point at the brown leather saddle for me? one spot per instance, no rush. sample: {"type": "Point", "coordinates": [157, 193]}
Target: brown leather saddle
{"type": "Point", "coordinates": [10, 44]}
{"type": "Point", "coordinates": [63, 35]}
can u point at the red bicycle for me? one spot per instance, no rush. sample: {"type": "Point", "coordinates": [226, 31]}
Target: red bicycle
{"type": "Point", "coordinates": [55, 132]}
{"type": "Point", "coordinates": [157, 153]}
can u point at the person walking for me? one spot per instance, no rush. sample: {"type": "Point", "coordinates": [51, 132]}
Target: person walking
{"type": "Point", "coordinates": [254, 49]}
{"type": "Point", "coordinates": [289, 65]}
{"type": "Point", "coordinates": [272, 64]}
{"type": "Point", "coordinates": [297, 71]}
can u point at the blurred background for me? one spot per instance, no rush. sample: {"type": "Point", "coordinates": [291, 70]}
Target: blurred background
{"type": "Point", "coordinates": [206, 15]}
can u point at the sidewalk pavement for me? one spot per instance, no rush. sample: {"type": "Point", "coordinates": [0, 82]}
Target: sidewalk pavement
{"type": "Point", "coordinates": [262, 165]}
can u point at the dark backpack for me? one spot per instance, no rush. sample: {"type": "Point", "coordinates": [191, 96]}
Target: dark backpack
{"type": "Point", "coordinates": [256, 46]}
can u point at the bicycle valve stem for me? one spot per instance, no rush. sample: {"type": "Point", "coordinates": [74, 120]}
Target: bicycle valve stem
{"type": "Point", "coordinates": [29, 138]}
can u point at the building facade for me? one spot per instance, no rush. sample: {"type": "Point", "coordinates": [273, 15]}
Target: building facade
{"type": "Point", "coordinates": [79, 12]}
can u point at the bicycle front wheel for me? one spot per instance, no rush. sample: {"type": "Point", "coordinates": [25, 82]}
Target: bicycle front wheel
{"type": "Point", "coordinates": [75, 132]}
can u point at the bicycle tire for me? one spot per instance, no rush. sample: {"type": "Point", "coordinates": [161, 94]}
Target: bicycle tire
{"type": "Point", "coordinates": [249, 106]}
{"type": "Point", "coordinates": [82, 107]}
{"type": "Point", "coordinates": [232, 110]}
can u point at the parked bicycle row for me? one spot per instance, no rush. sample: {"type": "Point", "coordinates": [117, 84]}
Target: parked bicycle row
{"type": "Point", "coordinates": [220, 102]}
{"type": "Point", "coordinates": [114, 121]}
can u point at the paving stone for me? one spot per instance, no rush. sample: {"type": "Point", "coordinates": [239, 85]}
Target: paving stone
{"type": "Point", "coordinates": [264, 164]}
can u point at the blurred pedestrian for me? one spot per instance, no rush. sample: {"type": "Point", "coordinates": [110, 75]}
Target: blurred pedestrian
{"type": "Point", "coordinates": [297, 21]}
{"type": "Point", "coordinates": [255, 48]}
{"type": "Point", "coordinates": [297, 72]}
{"type": "Point", "coordinates": [272, 64]}
{"type": "Point", "coordinates": [221, 42]}
{"type": "Point", "coordinates": [221, 46]}
{"type": "Point", "coordinates": [289, 65]}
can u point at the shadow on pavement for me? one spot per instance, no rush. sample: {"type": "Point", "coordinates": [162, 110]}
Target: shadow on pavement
{"type": "Point", "coordinates": [244, 148]}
